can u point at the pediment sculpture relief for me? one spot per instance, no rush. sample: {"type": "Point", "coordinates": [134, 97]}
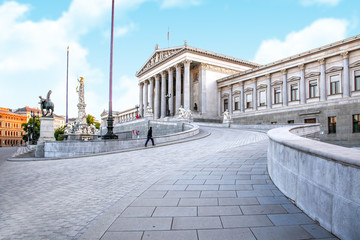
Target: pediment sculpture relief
{"type": "Point", "coordinates": [158, 57]}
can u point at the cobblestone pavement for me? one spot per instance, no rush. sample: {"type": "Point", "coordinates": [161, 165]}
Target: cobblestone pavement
{"type": "Point", "coordinates": [5, 153]}
{"type": "Point", "coordinates": [212, 188]}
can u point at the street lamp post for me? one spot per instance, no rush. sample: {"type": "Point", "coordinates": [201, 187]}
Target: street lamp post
{"type": "Point", "coordinates": [110, 120]}
{"type": "Point", "coordinates": [137, 110]}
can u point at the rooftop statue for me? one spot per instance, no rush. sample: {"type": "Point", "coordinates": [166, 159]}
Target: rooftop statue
{"type": "Point", "coordinates": [46, 104]}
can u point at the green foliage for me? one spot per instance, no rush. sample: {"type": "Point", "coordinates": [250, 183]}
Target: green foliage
{"type": "Point", "coordinates": [57, 133]}
{"type": "Point", "coordinates": [28, 128]}
{"type": "Point", "coordinates": [91, 120]}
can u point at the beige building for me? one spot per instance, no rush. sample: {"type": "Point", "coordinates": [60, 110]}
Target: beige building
{"type": "Point", "coordinates": [320, 85]}
{"type": "Point", "coordinates": [11, 131]}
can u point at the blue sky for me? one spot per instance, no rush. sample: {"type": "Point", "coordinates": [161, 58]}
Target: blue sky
{"type": "Point", "coordinates": [35, 34]}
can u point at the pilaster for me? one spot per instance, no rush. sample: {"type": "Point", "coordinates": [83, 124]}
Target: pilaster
{"type": "Point", "coordinates": [285, 88]}
{"type": "Point", "coordinates": [346, 75]}
{"type": "Point", "coordinates": [302, 88]}
{"type": "Point", "coordinates": [322, 80]}
{"type": "Point", "coordinates": [187, 84]}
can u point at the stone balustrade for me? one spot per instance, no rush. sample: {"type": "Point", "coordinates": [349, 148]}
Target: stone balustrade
{"type": "Point", "coordinates": [323, 179]}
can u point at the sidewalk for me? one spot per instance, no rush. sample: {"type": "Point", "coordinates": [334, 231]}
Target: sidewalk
{"type": "Point", "coordinates": [227, 195]}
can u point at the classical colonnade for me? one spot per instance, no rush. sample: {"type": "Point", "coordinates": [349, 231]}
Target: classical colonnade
{"type": "Point", "coordinates": [285, 96]}
{"type": "Point", "coordinates": [161, 83]}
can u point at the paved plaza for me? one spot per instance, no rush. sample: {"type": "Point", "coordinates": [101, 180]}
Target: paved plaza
{"type": "Point", "coordinates": [216, 187]}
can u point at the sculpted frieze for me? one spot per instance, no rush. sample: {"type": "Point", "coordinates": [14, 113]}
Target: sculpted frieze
{"type": "Point", "coordinates": [158, 57]}
{"type": "Point", "coordinates": [218, 69]}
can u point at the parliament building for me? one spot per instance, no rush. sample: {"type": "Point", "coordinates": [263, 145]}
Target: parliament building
{"type": "Point", "coordinates": [321, 85]}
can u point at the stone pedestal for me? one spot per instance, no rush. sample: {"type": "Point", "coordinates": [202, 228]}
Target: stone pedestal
{"type": "Point", "coordinates": [227, 123]}
{"type": "Point", "coordinates": [46, 135]}
{"type": "Point", "coordinates": [46, 130]}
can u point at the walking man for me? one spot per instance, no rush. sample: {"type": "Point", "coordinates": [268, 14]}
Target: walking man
{"type": "Point", "coordinates": [149, 136]}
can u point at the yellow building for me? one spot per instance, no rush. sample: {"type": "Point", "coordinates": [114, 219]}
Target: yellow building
{"type": "Point", "coordinates": [11, 131]}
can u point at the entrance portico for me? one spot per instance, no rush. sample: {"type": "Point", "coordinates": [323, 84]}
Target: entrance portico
{"type": "Point", "coordinates": [184, 76]}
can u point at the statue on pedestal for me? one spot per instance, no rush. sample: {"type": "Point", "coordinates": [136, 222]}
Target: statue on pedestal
{"type": "Point", "coordinates": [47, 104]}
{"type": "Point", "coordinates": [227, 115]}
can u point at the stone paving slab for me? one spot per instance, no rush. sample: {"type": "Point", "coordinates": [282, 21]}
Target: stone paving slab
{"type": "Point", "coordinates": [228, 234]}
{"type": "Point", "coordinates": [221, 190]}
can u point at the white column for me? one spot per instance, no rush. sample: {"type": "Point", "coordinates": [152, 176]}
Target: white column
{"type": "Point", "coordinates": [178, 87]}
{"type": "Point", "coordinates": [219, 102]}
{"type": "Point", "coordinates": [157, 97]}
{"type": "Point", "coordinates": [141, 106]}
{"type": "Point", "coordinates": [302, 88]}
{"type": "Point", "coordinates": [255, 94]}
{"type": "Point", "coordinates": [242, 98]}
{"type": "Point", "coordinates": [230, 100]}
{"type": "Point", "coordinates": [346, 77]}
{"type": "Point", "coordinates": [187, 84]}
{"type": "Point", "coordinates": [171, 91]}
{"type": "Point", "coordinates": [322, 80]}
{"type": "Point", "coordinates": [163, 93]}
{"type": "Point", "coordinates": [146, 96]}
{"type": "Point", "coordinates": [268, 91]}
{"type": "Point", "coordinates": [285, 88]}
{"type": "Point", "coordinates": [151, 90]}
{"type": "Point", "coordinates": [202, 93]}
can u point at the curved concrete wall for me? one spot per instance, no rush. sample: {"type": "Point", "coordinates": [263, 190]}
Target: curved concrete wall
{"type": "Point", "coordinates": [323, 179]}
{"type": "Point", "coordinates": [80, 148]}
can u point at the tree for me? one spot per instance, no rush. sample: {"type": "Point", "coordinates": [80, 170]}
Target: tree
{"type": "Point", "coordinates": [91, 120]}
{"type": "Point", "coordinates": [57, 133]}
{"type": "Point", "coordinates": [27, 127]}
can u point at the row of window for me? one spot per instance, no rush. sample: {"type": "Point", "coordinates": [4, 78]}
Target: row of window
{"type": "Point", "coordinates": [313, 92]}
{"type": "Point", "coordinates": [6, 124]}
{"type": "Point", "coordinates": [11, 118]}
{"type": "Point", "coordinates": [10, 133]}
{"type": "Point", "coordinates": [355, 124]}
{"type": "Point", "coordinates": [11, 142]}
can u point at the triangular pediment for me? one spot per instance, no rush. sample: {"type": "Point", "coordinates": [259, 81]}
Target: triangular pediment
{"type": "Point", "coordinates": [334, 69]}
{"type": "Point", "coordinates": [157, 57]}
{"type": "Point", "coordinates": [355, 64]}
{"type": "Point", "coordinates": [312, 74]}
{"type": "Point", "coordinates": [293, 79]}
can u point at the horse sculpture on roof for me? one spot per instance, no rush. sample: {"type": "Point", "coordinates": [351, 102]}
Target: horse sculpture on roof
{"type": "Point", "coordinates": [47, 104]}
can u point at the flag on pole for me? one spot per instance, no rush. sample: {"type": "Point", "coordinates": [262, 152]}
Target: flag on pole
{"type": "Point", "coordinates": [168, 33]}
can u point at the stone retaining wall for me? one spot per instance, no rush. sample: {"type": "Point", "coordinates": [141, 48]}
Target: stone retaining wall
{"type": "Point", "coordinates": [323, 179]}
{"type": "Point", "coordinates": [80, 148]}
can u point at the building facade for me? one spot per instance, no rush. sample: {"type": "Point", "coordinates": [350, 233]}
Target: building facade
{"type": "Point", "coordinates": [321, 85]}
{"type": "Point", "coordinates": [318, 86]}
{"type": "Point", "coordinates": [11, 131]}
{"type": "Point", "coordinates": [184, 76]}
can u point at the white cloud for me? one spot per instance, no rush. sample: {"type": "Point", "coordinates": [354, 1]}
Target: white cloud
{"type": "Point", "coordinates": [121, 31]}
{"type": "Point", "coordinates": [33, 54]}
{"type": "Point", "coordinates": [319, 33]}
{"type": "Point", "coordinates": [179, 3]}
{"type": "Point", "coordinates": [319, 2]}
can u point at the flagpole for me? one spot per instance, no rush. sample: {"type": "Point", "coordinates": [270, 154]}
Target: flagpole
{"type": "Point", "coordinates": [110, 121]}
{"type": "Point", "coordinates": [168, 37]}
{"type": "Point", "coordinates": [67, 84]}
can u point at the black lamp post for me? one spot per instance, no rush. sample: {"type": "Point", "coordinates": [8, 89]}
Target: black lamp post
{"type": "Point", "coordinates": [110, 120]}
{"type": "Point", "coordinates": [137, 110]}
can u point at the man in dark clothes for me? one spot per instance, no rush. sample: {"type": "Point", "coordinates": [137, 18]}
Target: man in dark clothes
{"type": "Point", "coordinates": [149, 136]}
